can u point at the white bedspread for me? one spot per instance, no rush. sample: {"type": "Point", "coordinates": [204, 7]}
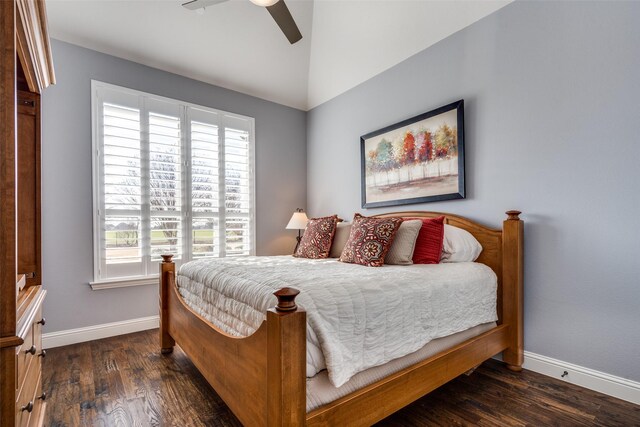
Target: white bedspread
{"type": "Point", "coordinates": [357, 317]}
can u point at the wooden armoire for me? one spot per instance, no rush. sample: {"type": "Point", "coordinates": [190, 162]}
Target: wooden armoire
{"type": "Point", "coordinates": [26, 69]}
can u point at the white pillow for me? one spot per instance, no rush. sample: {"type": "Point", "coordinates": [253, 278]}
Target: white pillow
{"type": "Point", "coordinates": [459, 245]}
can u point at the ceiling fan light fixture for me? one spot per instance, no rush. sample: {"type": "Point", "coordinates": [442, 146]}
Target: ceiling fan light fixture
{"type": "Point", "coordinates": [276, 8]}
{"type": "Point", "coordinates": [265, 3]}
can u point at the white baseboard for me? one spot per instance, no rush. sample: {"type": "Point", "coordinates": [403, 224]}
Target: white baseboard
{"type": "Point", "coordinates": [96, 332]}
{"type": "Point", "coordinates": [611, 385]}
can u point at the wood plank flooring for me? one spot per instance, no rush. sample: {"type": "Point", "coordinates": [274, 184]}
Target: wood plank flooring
{"type": "Point", "coordinates": [125, 381]}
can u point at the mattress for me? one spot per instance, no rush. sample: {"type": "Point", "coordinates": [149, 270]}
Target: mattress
{"type": "Point", "coordinates": [357, 317]}
{"type": "Point", "coordinates": [320, 391]}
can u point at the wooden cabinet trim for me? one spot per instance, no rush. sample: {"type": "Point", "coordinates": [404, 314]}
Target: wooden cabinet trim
{"type": "Point", "coordinates": [10, 341]}
{"type": "Point", "coordinates": [25, 61]}
{"type": "Point", "coordinates": [7, 170]}
{"type": "Point", "coordinates": [33, 45]}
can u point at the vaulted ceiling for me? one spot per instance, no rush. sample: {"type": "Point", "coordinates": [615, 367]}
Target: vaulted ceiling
{"type": "Point", "coordinates": [237, 45]}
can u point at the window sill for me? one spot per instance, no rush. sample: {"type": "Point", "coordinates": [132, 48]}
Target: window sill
{"type": "Point", "coordinates": [124, 283]}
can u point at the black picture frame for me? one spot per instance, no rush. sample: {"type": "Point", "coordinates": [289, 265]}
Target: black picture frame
{"type": "Point", "coordinates": [428, 149]}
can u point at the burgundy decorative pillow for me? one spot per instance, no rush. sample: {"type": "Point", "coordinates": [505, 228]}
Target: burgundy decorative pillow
{"type": "Point", "coordinates": [317, 238]}
{"type": "Point", "coordinates": [370, 240]}
{"type": "Point", "coordinates": [429, 242]}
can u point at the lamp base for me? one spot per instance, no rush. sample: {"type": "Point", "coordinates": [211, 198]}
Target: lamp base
{"type": "Point", "coordinates": [298, 238]}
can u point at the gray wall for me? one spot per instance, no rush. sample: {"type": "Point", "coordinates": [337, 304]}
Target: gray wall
{"type": "Point", "coordinates": [66, 179]}
{"type": "Point", "coordinates": [552, 109]}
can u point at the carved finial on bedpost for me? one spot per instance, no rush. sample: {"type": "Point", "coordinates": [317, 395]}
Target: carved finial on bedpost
{"type": "Point", "coordinates": [166, 258]}
{"type": "Point", "coordinates": [286, 299]}
{"type": "Point", "coordinates": [513, 215]}
{"type": "Point", "coordinates": [286, 362]}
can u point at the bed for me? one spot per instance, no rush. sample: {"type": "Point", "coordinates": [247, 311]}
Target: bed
{"type": "Point", "coordinates": [260, 366]}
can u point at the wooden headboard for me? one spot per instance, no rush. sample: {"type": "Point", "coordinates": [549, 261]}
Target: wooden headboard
{"type": "Point", "coordinates": [502, 250]}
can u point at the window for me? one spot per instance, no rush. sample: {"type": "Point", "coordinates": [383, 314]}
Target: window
{"type": "Point", "coordinates": [169, 177]}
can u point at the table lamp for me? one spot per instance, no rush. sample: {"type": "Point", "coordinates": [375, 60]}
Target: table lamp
{"type": "Point", "coordinates": [298, 222]}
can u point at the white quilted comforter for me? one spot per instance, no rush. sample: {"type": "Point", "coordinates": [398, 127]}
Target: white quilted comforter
{"type": "Point", "coordinates": [357, 317]}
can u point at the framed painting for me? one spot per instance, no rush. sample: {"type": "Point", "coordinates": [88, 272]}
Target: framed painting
{"type": "Point", "coordinates": [418, 160]}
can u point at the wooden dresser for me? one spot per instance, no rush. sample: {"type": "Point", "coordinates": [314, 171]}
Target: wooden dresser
{"type": "Point", "coordinates": [26, 69]}
{"type": "Point", "coordinates": [30, 399]}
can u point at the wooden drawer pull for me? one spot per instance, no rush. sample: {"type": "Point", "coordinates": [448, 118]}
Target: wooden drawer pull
{"type": "Point", "coordinates": [32, 350]}
{"type": "Point", "coordinates": [43, 396]}
{"type": "Point", "coordinates": [43, 354]}
{"type": "Point", "coordinates": [28, 407]}
{"type": "Point", "coordinates": [42, 321]}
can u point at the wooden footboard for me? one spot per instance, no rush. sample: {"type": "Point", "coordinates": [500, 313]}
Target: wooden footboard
{"type": "Point", "coordinates": [262, 377]}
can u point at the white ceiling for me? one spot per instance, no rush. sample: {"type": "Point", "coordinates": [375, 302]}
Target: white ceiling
{"type": "Point", "coordinates": [237, 44]}
{"type": "Point", "coordinates": [375, 35]}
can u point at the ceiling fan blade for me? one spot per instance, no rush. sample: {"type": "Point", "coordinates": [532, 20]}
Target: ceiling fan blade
{"type": "Point", "coordinates": [199, 4]}
{"type": "Point", "coordinates": [280, 13]}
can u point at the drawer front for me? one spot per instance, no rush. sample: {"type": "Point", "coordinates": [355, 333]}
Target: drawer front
{"type": "Point", "coordinates": [27, 395]}
{"type": "Point", "coordinates": [37, 331]}
{"type": "Point", "coordinates": [24, 358]}
{"type": "Point", "coordinates": [37, 416]}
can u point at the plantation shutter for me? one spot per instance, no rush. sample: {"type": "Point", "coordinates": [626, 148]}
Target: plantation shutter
{"type": "Point", "coordinates": [165, 179]}
{"type": "Point", "coordinates": [237, 186]}
{"type": "Point", "coordinates": [120, 186]}
{"type": "Point", "coordinates": [169, 177]}
{"type": "Point", "coordinates": [205, 182]}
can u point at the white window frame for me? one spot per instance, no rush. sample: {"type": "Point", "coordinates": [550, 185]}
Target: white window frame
{"type": "Point", "coordinates": [96, 127]}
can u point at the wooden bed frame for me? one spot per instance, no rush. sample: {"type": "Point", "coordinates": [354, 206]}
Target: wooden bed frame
{"type": "Point", "coordinates": [262, 378]}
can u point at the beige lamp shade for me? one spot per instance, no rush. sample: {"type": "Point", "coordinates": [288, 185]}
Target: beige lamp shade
{"type": "Point", "coordinates": [265, 3]}
{"type": "Point", "coordinates": [298, 221]}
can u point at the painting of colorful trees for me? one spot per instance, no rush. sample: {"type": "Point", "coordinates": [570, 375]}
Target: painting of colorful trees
{"type": "Point", "coordinates": [413, 162]}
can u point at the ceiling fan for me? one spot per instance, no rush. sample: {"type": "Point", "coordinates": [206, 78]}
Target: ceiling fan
{"type": "Point", "coordinates": [277, 8]}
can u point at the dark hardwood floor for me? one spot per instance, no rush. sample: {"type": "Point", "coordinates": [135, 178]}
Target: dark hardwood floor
{"type": "Point", "coordinates": [124, 381]}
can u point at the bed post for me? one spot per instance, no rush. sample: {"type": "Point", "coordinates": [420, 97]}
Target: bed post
{"type": "Point", "coordinates": [167, 280]}
{"type": "Point", "coordinates": [286, 361]}
{"type": "Point", "coordinates": [512, 288]}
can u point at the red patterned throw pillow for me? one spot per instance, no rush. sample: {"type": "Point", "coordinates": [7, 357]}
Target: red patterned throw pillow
{"type": "Point", "coordinates": [429, 242]}
{"type": "Point", "coordinates": [370, 240]}
{"type": "Point", "coordinates": [317, 238]}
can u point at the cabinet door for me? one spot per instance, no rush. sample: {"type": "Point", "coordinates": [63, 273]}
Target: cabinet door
{"type": "Point", "coordinates": [28, 194]}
